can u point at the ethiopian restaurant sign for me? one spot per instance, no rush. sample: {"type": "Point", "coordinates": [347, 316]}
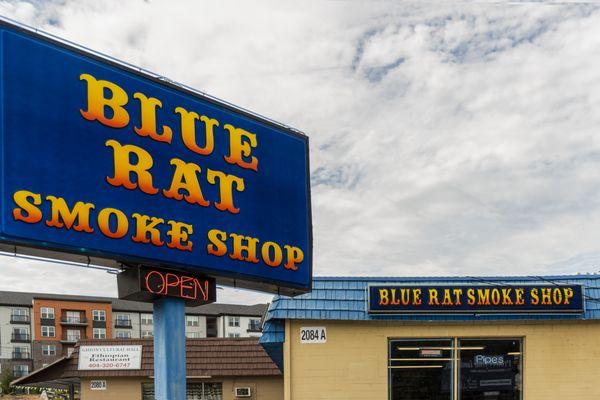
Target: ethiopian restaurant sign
{"type": "Point", "coordinates": [110, 357]}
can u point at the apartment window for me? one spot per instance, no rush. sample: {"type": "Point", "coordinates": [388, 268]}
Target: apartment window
{"type": "Point", "coordinates": [211, 327]}
{"type": "Point", "coordinates": [99, 315]}
{"type": "Point", "coordinates": [147, 319]}
{"type": "Point", "coordinates": [192, 335]}
{"type": "Point", "coordinates": [48, 331]}
{"type": "Point", "coordinates": [233, 335]}
{"type": "Point", "coordinates": [147, 334]}
{"type": "Point", "coordinates": [461, 369]}
{"type": "Point", "coordinates": [122, 321]}
{"type": "Point", "coordinates": [47, 312]}
{"type": "Point", "coordinates": [48, 350]}
{"type": "Point", "coordinates": [20, 334]}
{"type": "Point", "coordinates": [19, 315]}
{"type": "Point", "coordinates": [99, 333]}
{"type": "Point", "coordinates": [73, 317]}
{"type": "Point", "coordinates": [20, 370]}
{"type": "Point", "coordinates": [254, 325]}
{"type": "Point", "coordinates": [234, 321]}
{"type": "Point", "coordinates": [73, 335]}
{"type": "Point", "coordinates": [124, 334]}
{"type": "Point", "coordinates": [191, 320]}
{"type": "Point", "coordinates": [21, 352]}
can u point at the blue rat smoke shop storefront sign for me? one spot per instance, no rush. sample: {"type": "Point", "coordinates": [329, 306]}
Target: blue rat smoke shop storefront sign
{"type": "Point", "coordinates": [102, 161]}
{"type": "Point", "coordinates": [475, 299]}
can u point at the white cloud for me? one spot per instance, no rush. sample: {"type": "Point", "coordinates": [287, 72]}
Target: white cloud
{"type": "Point", "coordinates": [446, 138]}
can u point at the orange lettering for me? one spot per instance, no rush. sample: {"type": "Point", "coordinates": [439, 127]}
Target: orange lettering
{"type": "Point", "coordinates": [27, 210]}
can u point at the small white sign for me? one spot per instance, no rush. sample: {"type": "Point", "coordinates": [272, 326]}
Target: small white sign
{"type": "Point", "coordinates": [110, 357]}
{"type": "Point", "coordinates": [313, 334]}
{"type": "Point", "coordinates": [97, 385]}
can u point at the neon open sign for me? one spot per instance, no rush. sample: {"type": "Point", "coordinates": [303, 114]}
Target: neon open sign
{"type": "Point", "coordinates": [177, 285]}
{"type": "Point", "coordinates": [147, 284]}
{"type": "Point", "coordinates": [99, 160]}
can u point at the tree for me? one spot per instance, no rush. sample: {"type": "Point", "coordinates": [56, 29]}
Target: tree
{"type": "Point", "coordinates": [5, 380]}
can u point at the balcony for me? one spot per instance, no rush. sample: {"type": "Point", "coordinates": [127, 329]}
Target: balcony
{"type": "Point", "coordinates": [21, 355]}
{"type": "Point", "coordinates": [20, 338]}
{"type": "Point", "coordinates": [19, 319]}
{"type": "Point", "coordinates": [70, 339]}
{"type": "Point", "coordinates": [47, 321]}
{"type": "Point", "coordinates": [254, 327]}
{"type": "Point", "coordinates": [73, 321]}
{"type": "Point", "coordinates": [122, 323]}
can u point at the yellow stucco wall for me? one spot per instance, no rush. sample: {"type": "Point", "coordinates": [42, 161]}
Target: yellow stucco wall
{"type": "Point", "coordinates": [561, 360]}
{"type": "Point", "coordinates": [263, 388]}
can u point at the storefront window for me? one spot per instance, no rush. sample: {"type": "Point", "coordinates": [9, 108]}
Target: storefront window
{"type": "Point", "coordinates": [490, 369]}
{"type": "Point", "coordinates": [461, 369]}
{"type": "Point", "coordinates": [194, 391]}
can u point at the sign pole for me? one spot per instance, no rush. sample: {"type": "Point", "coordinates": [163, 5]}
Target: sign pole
{"type": "Point", "coordinates": [169, 349]}
{"type": "Point", "coordinates": [170, 292]}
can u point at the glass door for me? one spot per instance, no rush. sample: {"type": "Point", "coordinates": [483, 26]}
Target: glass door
{"type": "Point", "coordinates": [421, 369]}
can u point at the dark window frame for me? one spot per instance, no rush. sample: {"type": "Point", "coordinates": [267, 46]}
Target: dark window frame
{"type": "Point", "coordinates": [147, 389]}
{"type": "Point", "coordinates": [456, 359]}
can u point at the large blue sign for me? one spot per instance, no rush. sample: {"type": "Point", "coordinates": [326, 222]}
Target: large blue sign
{"type": "Point", "coordinates": [101, 160]}
{"type": "Point", "coordinates": [393, 299]}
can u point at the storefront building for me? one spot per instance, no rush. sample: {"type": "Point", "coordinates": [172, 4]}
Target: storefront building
{"type": "Point", "coordinates": [507, 338]}
{"type": "Point", "coordinates": [216, 369]}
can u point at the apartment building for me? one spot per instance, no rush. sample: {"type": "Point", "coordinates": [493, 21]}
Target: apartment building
{"type": "Point", "coordinates": [37, 328]}
{"type": "Point", "coordinates": [232, 323]}
{"type": "Point", "coordinates": [57, 325]}
{"type": "Point", "coordinates": [15, 337]}
{"type": "Point", "coordinates": [134, 320]}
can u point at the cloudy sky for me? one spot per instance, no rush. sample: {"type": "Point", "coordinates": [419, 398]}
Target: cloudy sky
{"type": "Point", "coordinates": [447, 138]}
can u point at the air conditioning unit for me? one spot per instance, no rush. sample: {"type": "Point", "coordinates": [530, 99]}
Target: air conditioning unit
{"type": "Point", "coordinates": [243, 392]}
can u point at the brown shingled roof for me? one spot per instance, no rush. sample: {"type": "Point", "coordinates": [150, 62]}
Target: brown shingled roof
{"type": "Point", "coordinates": [214, 357]}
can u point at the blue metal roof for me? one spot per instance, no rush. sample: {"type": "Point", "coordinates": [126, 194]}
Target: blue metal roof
{"type": "Point", "coordinates": [345, 299]}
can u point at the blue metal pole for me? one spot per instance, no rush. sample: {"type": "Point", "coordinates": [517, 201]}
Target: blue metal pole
{"type": "Point", "coordinates": [169, 349]}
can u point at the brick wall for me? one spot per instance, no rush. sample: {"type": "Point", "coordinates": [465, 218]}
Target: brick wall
{"type": "Point", "coordinates": [60, 309]}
